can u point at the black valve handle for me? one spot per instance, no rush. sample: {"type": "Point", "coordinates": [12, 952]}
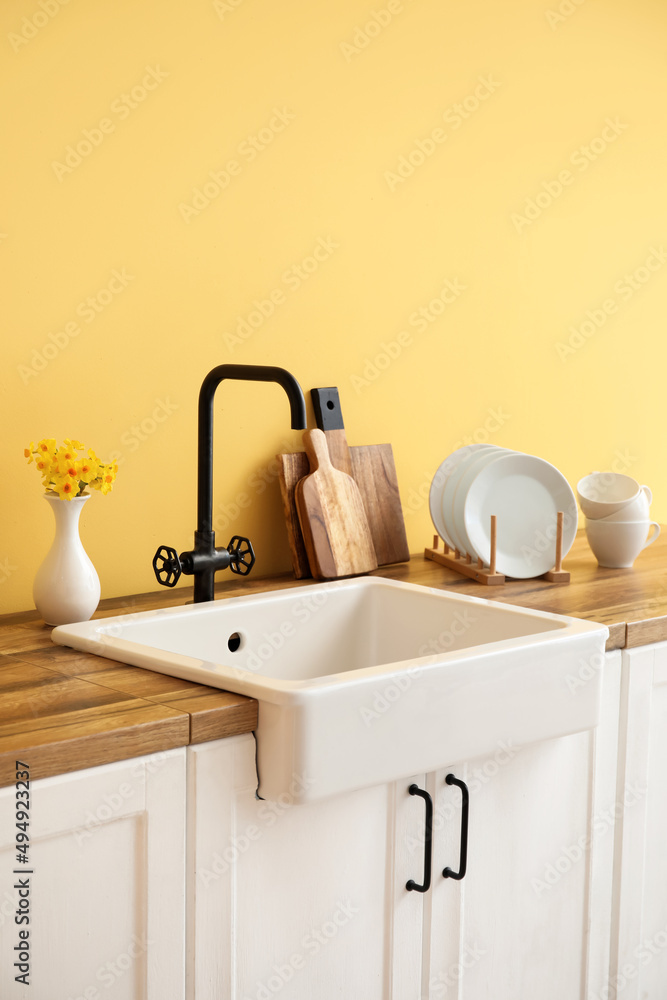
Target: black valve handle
{"type": "Point", "coordinates": [241, 555]}
{"type": "Point", "coordinates": [428, 838]}
{"type": "Point", "coordinates": [463, 857]}
{"type": "Point", "coordinates": [167, 566]}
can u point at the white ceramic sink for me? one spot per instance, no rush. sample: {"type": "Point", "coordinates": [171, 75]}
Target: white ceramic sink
{"type": "Point", "coordinates": [367, 680]}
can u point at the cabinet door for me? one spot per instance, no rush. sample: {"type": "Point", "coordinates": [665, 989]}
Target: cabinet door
{"type": "Point", "coordinates": [107, 883]}
{"type": "Point", "coordinates": [308, 901]}
{"type": "Point", "coordinates": [532, 916]}
{"type": "Point", "coordinates": [639, 942]}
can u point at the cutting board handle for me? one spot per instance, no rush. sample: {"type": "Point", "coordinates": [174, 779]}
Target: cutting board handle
{"type": "Point", "coordinates": [317, 450]}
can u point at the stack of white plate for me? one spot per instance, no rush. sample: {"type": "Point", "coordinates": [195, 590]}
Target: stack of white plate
{"type": "Point", "coordinates": [523, 491]}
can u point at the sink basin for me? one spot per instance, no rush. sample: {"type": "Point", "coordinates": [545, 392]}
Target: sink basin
{"type": "Point", "coordinates": [368, 680]}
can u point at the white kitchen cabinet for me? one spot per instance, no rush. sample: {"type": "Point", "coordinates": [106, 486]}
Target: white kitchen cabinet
{"type": "Point", "coordinates": [532, 915]}
{"type": "Point", "coordinates": [308, 901]}
{"type": "Point", "coordinates": [311, 900]}
{"type": "Point", "coordinates": [107, 893]}
{"type": "Point", "coordinates": [639, 932]}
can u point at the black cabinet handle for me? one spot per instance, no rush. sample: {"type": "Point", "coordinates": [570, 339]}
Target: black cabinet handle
{"type": "Point", "coordinates": [428, 839]}
{"type": "Point", "coordinates": [463, 857]}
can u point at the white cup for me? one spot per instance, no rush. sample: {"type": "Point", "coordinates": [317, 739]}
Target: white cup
{"type": "Point", "coordinates": [603, 493]}
{"type": "Point", "coordinates": [634, 510]}
{"type": "Point", "coordinates": [616, 544]}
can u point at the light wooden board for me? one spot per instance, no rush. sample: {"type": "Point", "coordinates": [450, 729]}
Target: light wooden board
{"type": "Point", "coordinates": [332, 517]}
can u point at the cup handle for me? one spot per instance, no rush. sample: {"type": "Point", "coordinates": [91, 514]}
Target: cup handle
{"type": "Point", "coordinates": [652, 538]}
{"type": "Point", "coordinates": [648, 494]}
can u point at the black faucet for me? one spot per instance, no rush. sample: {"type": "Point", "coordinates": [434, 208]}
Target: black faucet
{"type": "Point", "coordinates": [205, 559]}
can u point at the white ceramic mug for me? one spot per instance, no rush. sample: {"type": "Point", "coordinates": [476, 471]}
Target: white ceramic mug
{"type": "Point", "coordinates": [604, 493]}
{"type": "Point", "coordinates": [616, 544]}
{"type": "Point", "coordinates": [635, 510]}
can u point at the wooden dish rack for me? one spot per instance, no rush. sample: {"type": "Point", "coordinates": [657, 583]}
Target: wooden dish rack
{"type": "Point", "coordinates": [466, 565]}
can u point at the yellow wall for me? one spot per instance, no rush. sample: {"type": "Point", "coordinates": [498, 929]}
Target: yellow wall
{"type": "Point", "coordinates": [343, 104]}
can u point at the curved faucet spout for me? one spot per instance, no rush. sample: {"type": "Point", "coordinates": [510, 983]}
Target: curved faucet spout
{"type": "Point", "coordinates": [244, 373]}
{"type": "Point", "coordinates": [204, 560]}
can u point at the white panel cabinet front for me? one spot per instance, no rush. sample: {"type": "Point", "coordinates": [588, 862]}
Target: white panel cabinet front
{"type": "Point", "coordinates": [311, 900]}
{"type": "Point", "coordinates": [531, 918]}
{"type": "Point", "coordinates": [106, 883]}
{"type": "Point", "coordinates": [639, 940]}
{"type": "Point", "coordinates": [306, 902]}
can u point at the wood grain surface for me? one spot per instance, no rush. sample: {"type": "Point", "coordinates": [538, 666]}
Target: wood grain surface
{"type": "Point", "coordinates": [293, 467]}
{"type": "Point", "coordinates": [374, 472]}
{"type": "Point", "coordinates": [332, 517]}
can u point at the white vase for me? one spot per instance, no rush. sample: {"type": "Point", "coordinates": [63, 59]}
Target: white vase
{"type": "Point", "coordinates": [66, 587]}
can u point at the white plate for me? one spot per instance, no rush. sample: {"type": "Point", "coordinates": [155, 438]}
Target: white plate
{"type": "Point", "coordinates": [472, 470]}
{"type": "Point", "coordinates": [438, 482]}
{"type": "Point", "coordinates": [449, 491]}
{"type": "Point", "coordinates": [525, 493]}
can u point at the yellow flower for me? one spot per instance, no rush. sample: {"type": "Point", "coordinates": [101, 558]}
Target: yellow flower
{"type": "Point", "coordinates": [105, 479]}
{"type": "Point", "coordinates": [86, 469]}
{"type": "Point", "coordinates": [47, 446]}
{"type": "Point", "coordinates": [64, 473]}
{"type": "Point", "coordinates": [66, 455]}
{"type": "Point", "coordinates": [65, 487]}
{"type": "Point", "coordinates": [65, 464]}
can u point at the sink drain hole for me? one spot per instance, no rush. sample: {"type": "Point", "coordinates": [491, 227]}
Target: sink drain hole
{"type": "Point", "coordinates": [234, 642]}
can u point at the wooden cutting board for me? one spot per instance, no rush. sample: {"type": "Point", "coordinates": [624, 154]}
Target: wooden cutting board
{"type": "Point", "coordinates": [372, 468]}
{"type": "Point", "coordinates": [374, 472]}
{"type": "Point", "coordinates": [292, 467]}
{"type": "Point", "coordinates": [332, 517]}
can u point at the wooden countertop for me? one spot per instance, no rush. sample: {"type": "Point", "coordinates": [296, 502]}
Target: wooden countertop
{"type": "Point", "coordinates": [62, 710]}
